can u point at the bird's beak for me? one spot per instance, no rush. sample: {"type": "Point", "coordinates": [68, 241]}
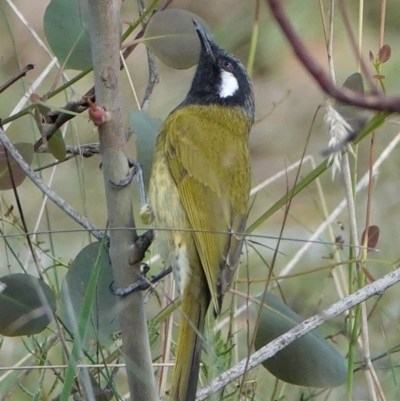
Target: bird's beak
{"type": "Point", "coordinates": [204, 40]}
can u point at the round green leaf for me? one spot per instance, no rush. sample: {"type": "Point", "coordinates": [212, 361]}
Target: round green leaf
{"type": "Point", "coordinates": [103, 316]}
{"type": "Point", "coordinates": [27, 305]}
{"type": "Point", "coordinates": [64, 29]}
{"type": "Point", "coordinates": [146, 130]}
{"type": "Point", "coordinates": [309, 361]}
{"type": "Point", "coordinates": [171, 36]}
{"type": "Point", "coordinates": [57, 146]}
{"type": "Point", "coordinates": [26, 151]}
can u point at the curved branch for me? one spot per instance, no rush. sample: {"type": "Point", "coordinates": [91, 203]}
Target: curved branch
{"type": "Point", "coordinates": [376, 102]}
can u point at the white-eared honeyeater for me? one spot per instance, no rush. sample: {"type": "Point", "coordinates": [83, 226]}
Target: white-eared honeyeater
{"type": "Point", "coordinates": [198, 196]}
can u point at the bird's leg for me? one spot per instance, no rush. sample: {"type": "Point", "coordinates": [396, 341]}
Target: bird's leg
{"type": "Point", "coordinates": [134, 169]}
{"type": "Point", "coordinates": [142, 242]}
{"type": "Point", "coordinates": [140, 247]}
{"type": "Point", "coordinates": [142, 284]}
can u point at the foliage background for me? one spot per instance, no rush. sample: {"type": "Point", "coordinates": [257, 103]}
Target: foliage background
{"type": "Point", "coordinates": [286, 100]}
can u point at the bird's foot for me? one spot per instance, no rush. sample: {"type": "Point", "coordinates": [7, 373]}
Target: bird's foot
{"type": "Point", "coordinates": [134, 168]}
{"type": "Point", "coordinates": [142, 284]}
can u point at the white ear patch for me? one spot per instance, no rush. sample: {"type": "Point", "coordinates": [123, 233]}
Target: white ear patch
{"type": "Point", "coordinates": [229, 84]}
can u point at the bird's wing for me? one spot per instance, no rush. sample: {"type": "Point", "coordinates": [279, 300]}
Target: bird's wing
{"type": "Point", "coordinates": [212, 174]}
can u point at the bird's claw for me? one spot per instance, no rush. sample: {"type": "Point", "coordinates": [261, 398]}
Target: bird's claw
{"type": "Point", "coordinates": [134, 167]}
{"type": "Point", "coordinates": [141, 284]}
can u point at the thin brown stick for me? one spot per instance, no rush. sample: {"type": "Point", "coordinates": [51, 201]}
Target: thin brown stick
{"type": "Point", "coordinates": [16, 77]}
{"type": "Point", "coordinates": [355, 47]}
{"type": "Point", "coordinates": [382, 27]}
{"type": "Point", "coordinates": [151, 61]}
{"type": "Point", "coordinates": [22, 215]}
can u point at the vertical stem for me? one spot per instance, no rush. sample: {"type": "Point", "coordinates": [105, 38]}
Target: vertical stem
{"type": "Point", "coordinates": [382, 28]}
{"type": "Point", "coordinates": [254, 38]}
{"type": "Point", "coordinates": [105, 36]}
{"type": "Point", "coordinates": [330, 40]}
{"type": "Point", "coordinates": [360, 30]}
{"type": "Point", "coordinates": [353, 321]}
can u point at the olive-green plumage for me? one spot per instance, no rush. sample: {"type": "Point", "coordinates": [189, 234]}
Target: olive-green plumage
{"type": "Point", "coordinates": [199, 191]}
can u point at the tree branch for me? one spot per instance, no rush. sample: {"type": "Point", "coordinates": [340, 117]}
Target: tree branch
{"type": "Point", "coordinates": [151, 60]}
{"type": "Point", "coordinates": [86, 150]}
{"type": "Point", "coordinates": [300, 330]}
{"type": "Point", "coordinates": [104, 23]}
{"type": "Point", "coordinates": [376, 102]}
{"type": "Point", "coordinates": [56, 118]}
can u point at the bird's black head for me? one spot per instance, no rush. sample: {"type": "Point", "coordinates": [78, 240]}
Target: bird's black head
{"type": "Point", "coordinates": [220, 78]}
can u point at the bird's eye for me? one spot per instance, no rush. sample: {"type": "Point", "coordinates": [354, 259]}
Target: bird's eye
{"type": "Point", "coordinates": [227, 66]}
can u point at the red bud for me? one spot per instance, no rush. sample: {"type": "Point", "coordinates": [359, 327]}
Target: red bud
{"type": "Point", "coordinates": [97, 114]}
{"type": "Point", "coordinates": [384, 53]}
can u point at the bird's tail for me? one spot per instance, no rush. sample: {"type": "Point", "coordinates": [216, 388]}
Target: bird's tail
{"type": "Point", "coordinates": [189, 347]}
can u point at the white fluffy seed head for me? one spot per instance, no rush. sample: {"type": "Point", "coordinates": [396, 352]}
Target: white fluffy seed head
{"type": "Point", "coordinates": [339, 130]}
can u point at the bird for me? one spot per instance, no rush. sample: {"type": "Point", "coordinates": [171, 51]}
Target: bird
{"type": "Point", "coordinates": [198, 196]}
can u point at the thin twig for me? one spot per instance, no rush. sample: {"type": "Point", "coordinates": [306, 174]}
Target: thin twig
{"type": "Point", "coordinates": [382, 25]}
{"type": "Point", "coordinates": [152, 81]}
{"type": "Point", "coordinates": [329, 45]}
{"type": "Point", "coordinates": [356, 47]}
{"type": "Point", "coordinates": [45, 189]}
{"type": "Point", "coordinates": [151, 61]}
{"type": "Point", "coordinates": [16, 77]}
{"type": "Point", "coordinates": [300, 330]}
{"type": "Point", "coordinates": [339, 280]}
{"type": "Point", "coordinates": [372, 379]}
{"type": "Point", "coordinates": [86, 150]}
{"type": "Point", "coordinates": [353, 321]}
{"type": "Point", "coordinates": [22, 216]}
{"type": "Point", "coordinates": [56, 118]}
{"type": "Point", "coordinates": [52, 164]}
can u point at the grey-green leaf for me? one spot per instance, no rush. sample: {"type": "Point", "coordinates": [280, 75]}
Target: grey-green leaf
{"type": "Point", "coordinates": [354, 116]}
{"type": "Point", "coordinates": [27, 305]}
{"type": "Point", "coordinates": [146, 130]}
{"type": "Point", "coordinates": [18, 175]}
{"type": "Point", "coordinates": [64, 29]}
{"type": "Point", "coordinates": [310, 361]}
{"type": "Point", "coordinates": [354, 82]}
{"type": "Point", "coordinates": [103, 318]}
{"type": "Point", "coordinates": [57, 146]}
{"type": "Point", "coordinates": [171, 36]}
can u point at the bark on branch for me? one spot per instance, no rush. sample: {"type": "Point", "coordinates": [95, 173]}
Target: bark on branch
{"type": "Point", "coordinates": [104, 31]}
